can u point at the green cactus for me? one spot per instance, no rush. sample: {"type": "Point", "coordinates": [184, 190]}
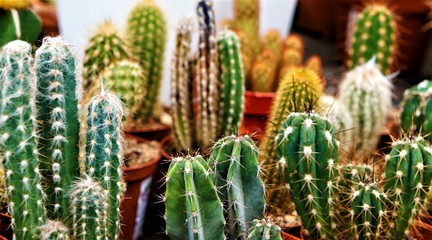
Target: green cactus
{"type": "Point", "coordinates": [234, 162]}
{"type": "Point", "coordinates": [147, 33]}
{"type": "Point", "coordinates": [57, 115]}
{"type": "Point", "coordinates": [298, 91]}
{"type": "Point", "coordinates": [416, 116]}
{"type": "Point", "coordinates": [104, 47]}
{"type": "Point", "coordinates": [104, 153]}
{"type": "Point", "coordinates": [366, 94]}
{"type": "Point", "coordinates": [193, 209]}
{"type": "Point", "coordinates": [89, 206]}
{"type": "Point", "coordinates": [246, 15]}
{"type": "Point", "coordinates": [18, 22]}
{"type": "Point", "coordinates": [246, 54]}
{"type": "Point", "coordinates": [373, 35]}
{"type": "Point", "coordinates": [18, 139]}
{"type": "Point", "coordinates": [53, 230]}
{"type": "Point", "coordinates": [407, 179]}
{"type": "Point", "coordinates": [264, 229]}
{"type": "Point", "coordinates": [307, 153]}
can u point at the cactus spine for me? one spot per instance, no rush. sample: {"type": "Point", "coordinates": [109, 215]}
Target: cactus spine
{"type": "Point", "coordinates": [307, 153]}
{"type": "Point", "coordinates": [234, 161]}
{"type": "Point", "coordinates": [263, 229]}
{"type": "Point", "coordinates": [104, 154]}
{"type": "Point", "coordinates": [146, 32]}
{"type": "Point", "coordinates": [53, 230]}
{"type": "Point", "coordinates": [407, 179]}
{"type": "Point", "coordinates": [416, 116]}
{"type": "Point", "coordinates": [193, 209]}
{"type": "Point", "coordinates": [374, 35]}
{"type": "Point", "coordinates": [57, 103]}
{"type": "Point", "coordinates": [18, 139]}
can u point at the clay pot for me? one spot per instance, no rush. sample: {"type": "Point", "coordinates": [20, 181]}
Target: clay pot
{"type": "Point", "coordinates": [166, 143]}
{"type": "Point", "coordinates": [150, 131]}
{"type": "Point", "coordinates": [133, 206]}
{"type": "Point", "coordinates": [5, 228]}
{"type": "Point", "coordinates": [292, 232]}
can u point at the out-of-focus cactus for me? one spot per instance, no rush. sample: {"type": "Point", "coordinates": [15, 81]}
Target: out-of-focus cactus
{"type": "Point", "coordinates": [373, 35]}
{"type": "Point", "coordinates": [416, 116]}
{"type": "Point", "coordinates": [18, 139]}
{"type": "Point", "coordinates": [314, 63]}
{"type": "Point", "coordinates": [3, 190]}
{"type": "Point", "coordinates": [234, 162]}
{"type": "Point", "coordinates": [57, 115]}
{"type": "Point", "coordinates": [246, 54]}
{"type": "Point", "coordinates": [246, 18]}
{"type": "Point", "coordinates": [366, 94]}
{"type": "Point", "coordinates": [14, 4]}
{"type": "Point", "coordinates": [294, 41]}
{"type": "Point", "coordinates": [272, 40]}
{"type": "Point", "coordinates": [263, 74]}
{"type": "Point", "coordinates": [53, 230]}
{"type": "Point", "coordinates": [193, 209]}
{"type": "Point", "coordinates": [290, 58]}
{"type": "Point", "coordinates": [146, 35]}
{"type": "Point", "coordinates": [264, 229]}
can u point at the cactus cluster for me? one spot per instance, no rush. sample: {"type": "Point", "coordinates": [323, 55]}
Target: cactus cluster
{"type": "Point", "coordinates": [53, 230]}
{"type": "Point", "coordinates": [264, 229]}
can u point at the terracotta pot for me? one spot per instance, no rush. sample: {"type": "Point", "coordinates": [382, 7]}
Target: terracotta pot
{"type": "Point", "coordinates": [133, 207]}
{"type": "Point", "coordinates": [166, 143]}
{"type": "Point", "coordinates": [292, 232]}
{"type": "Point", "coordinates": [150, 132]}
{"type": "Point", "coordinates": [256, 113]}
{"type": "Point", "coordinates": [5, 229]}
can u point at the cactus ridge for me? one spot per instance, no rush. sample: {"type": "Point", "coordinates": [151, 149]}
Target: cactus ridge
{"type": "Point", "coordinates": [18, 139]}
{"type": "Point", "coordinates": [53, 230]}
{"type": "Point", "coordinates": [264, 229]}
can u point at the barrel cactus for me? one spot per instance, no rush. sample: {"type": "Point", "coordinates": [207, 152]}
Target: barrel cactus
{"type": "Point", "coordinates": [234, 162]}
{"type": "Point", "coordinates": [264, 229]}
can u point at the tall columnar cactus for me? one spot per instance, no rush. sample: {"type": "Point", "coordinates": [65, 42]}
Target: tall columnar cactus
{"type": "Point", "coordinates": [53, 230]}
{"type": "Point", "coordinates": [18, 141]}
{"type": "Point", "coordinates": [263, 75]}
{"type": "Point", "coordinates": [246, 15]}
{"type": "Point", "coordinates": [373, 35]}
{"type": "Point", "coordinates": [105, 47]}
{"type": "Point", "coordinates": [193, 209]}
{"type": "Point", "coordinates": [233, 84]}
{"type": "Point", "coordinates": [314, 62]}
{"type": "Point", "coordinates": [366, 93]}
{"type": "Point", "coordinates": [234, 162]}
{"type": "Point", "coordinates": [416, 116]}
{"type": "Point", "coordinates": [104, 153]}
{"type": "Point", "coordinates": [294, 41]}
{"type": "Point", "coordinates": [272, 40]}
{"type": "Point", "coordinates": [89, 205]}
{"type": "Point", "coordinates": [408, 174]}
{"type": "Point", "coordinates": [307, 153]}
{"type": "Point", "coordinates": [264, 229]}
{"type": "Point", "coordinates": [146, 34]}
{"type": "Point", "coordinates": [298, 91]}
{"type": "Point", "coordinates": [57, 115]}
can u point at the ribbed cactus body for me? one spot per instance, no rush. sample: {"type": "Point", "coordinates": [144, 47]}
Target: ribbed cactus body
{"type": "Point", "coordinates": [104, 154]}
{"type": "Point", "coordinates": [234, 161]}
{"type": "Point", "coordinates": [407, 179]}
{"type": "Point", "coordinates": [57, 115]}
{"type": "Point", "coordinates": [246, 15]}
{"type": "Point", "coordinates": [53, 230]}
{"type": "Point", "coordinates": [246, 53]}
{"type": "Point", "coordinates": [373, 35]}
{"type": "Point", "coordinates": [193, 209]}
{"type": "Point", "coordinates": [18, 142]}
{"type": "Point", "coordinates": [307, 153]}
{"type": "Point", "coordinates": [264, 230]}
{"type": "Point", "coordinates": [233, 84]}
{"type": "Point", "coordinates": [104, 48]}
{"type": "Point", "coordinates": [272, 40]}
{"type": "Point", "coordinates": [263, 75]}
{"type": "Point", "coordinates": [294, 41]}
{"type": "Point", "coordinates": [366, 94]}
{"type": "Point", "coordinates": [146, 34]}
{"type": "Point", "coordinates": [89, 204]}
{"type": "Point", "coordinates": [416, 116]}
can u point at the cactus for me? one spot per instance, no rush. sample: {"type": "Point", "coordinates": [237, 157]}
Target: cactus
{"type": "Point", "coordinates": [234, 162]}
{"type": "Point", "coordinates": [18, 141]}
{"type": "Point", "coordinates": [272, 40]}
{"type": "Point", "coordinates": [146, 32]}
{"type": "Point", "coordinates": [307, 153]}
{"type": "Point", "coordinates": [57, 115]}
{"type": "Point", "coordinates": [373, 35]}
{"type": "Point", "coordinates": [246, 15]}
{"type": "Point", "coordinates": [232, 87]}
{"type": "Point", "coordinates": [416, 116]}
{"type": "Point", "coordinates": [193, 209]}
{"type": "Point", "coordinates": [263, 72]}
{"type": "Point", "coordinates": [294, 41]}
{"type": "Point", "coordinates": [89, 206]}
{"type": "Point", "coordinates": [366, 93]}
{"type": "Point", "coordinates": [246, 54]}
{"type": "Point", "coordinates": [16, 4]}
{"type": "Point", "coordinates": [53, 230]}
{"type": "Point", "coordinates": [104, 48]}
{"type": "Point", "coordinates": [298, 91]}
{"type": "Point", "coordinates": [3, 190]}
{"type": "Point", "coordinates": [264, 229]}
{"type": "Point", "coordinates": [18, 21]}
{"type": "Point", "coordinates": [314, 63]}
{"type": "Point", "coordinates": [104, 154]}
{"type": "Point", "coordinates": [407, 179]}
{"type": "Point", "coordinates": [290, 58]}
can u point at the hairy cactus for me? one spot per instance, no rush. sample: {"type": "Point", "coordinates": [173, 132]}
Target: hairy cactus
{"type": "Point", "coordinates": [104, 48]}
{"type": "Point", "coordinates": [416, 116]}
{"type": "Point", "coordinates": [193, 209]}
{"type": "Point", "coordinates": [89, 206]}
{"type": "Point", "coordinates": [272, 40]}
{"type": "Point", "coordinates": [264, 229]}
{"type": "Point", "coordinates": [57, 115]}
{"type": "Point", "coordinates": [294, 41]}
{"type": "Point", "coordinates": [263, 72]}
{"type": "Point", "coordinates": [53, 230]}
{"type": "Point", "coordinates": [366, 93]}
{"type": "Point", "coordinates": [373, 35]}
{"type": "Point", "coordinates": [314, 62]}
{"type": "Point", "coordinates": [146, 32]}
{"type": "Point", "coordinates": [407, 179]}
{"type": "Point", "coordinates": [234, 161]}
{"type": "Point", "coordinates": [246, 15]}
{"type": "Point", "coordinates": [18, 141]}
